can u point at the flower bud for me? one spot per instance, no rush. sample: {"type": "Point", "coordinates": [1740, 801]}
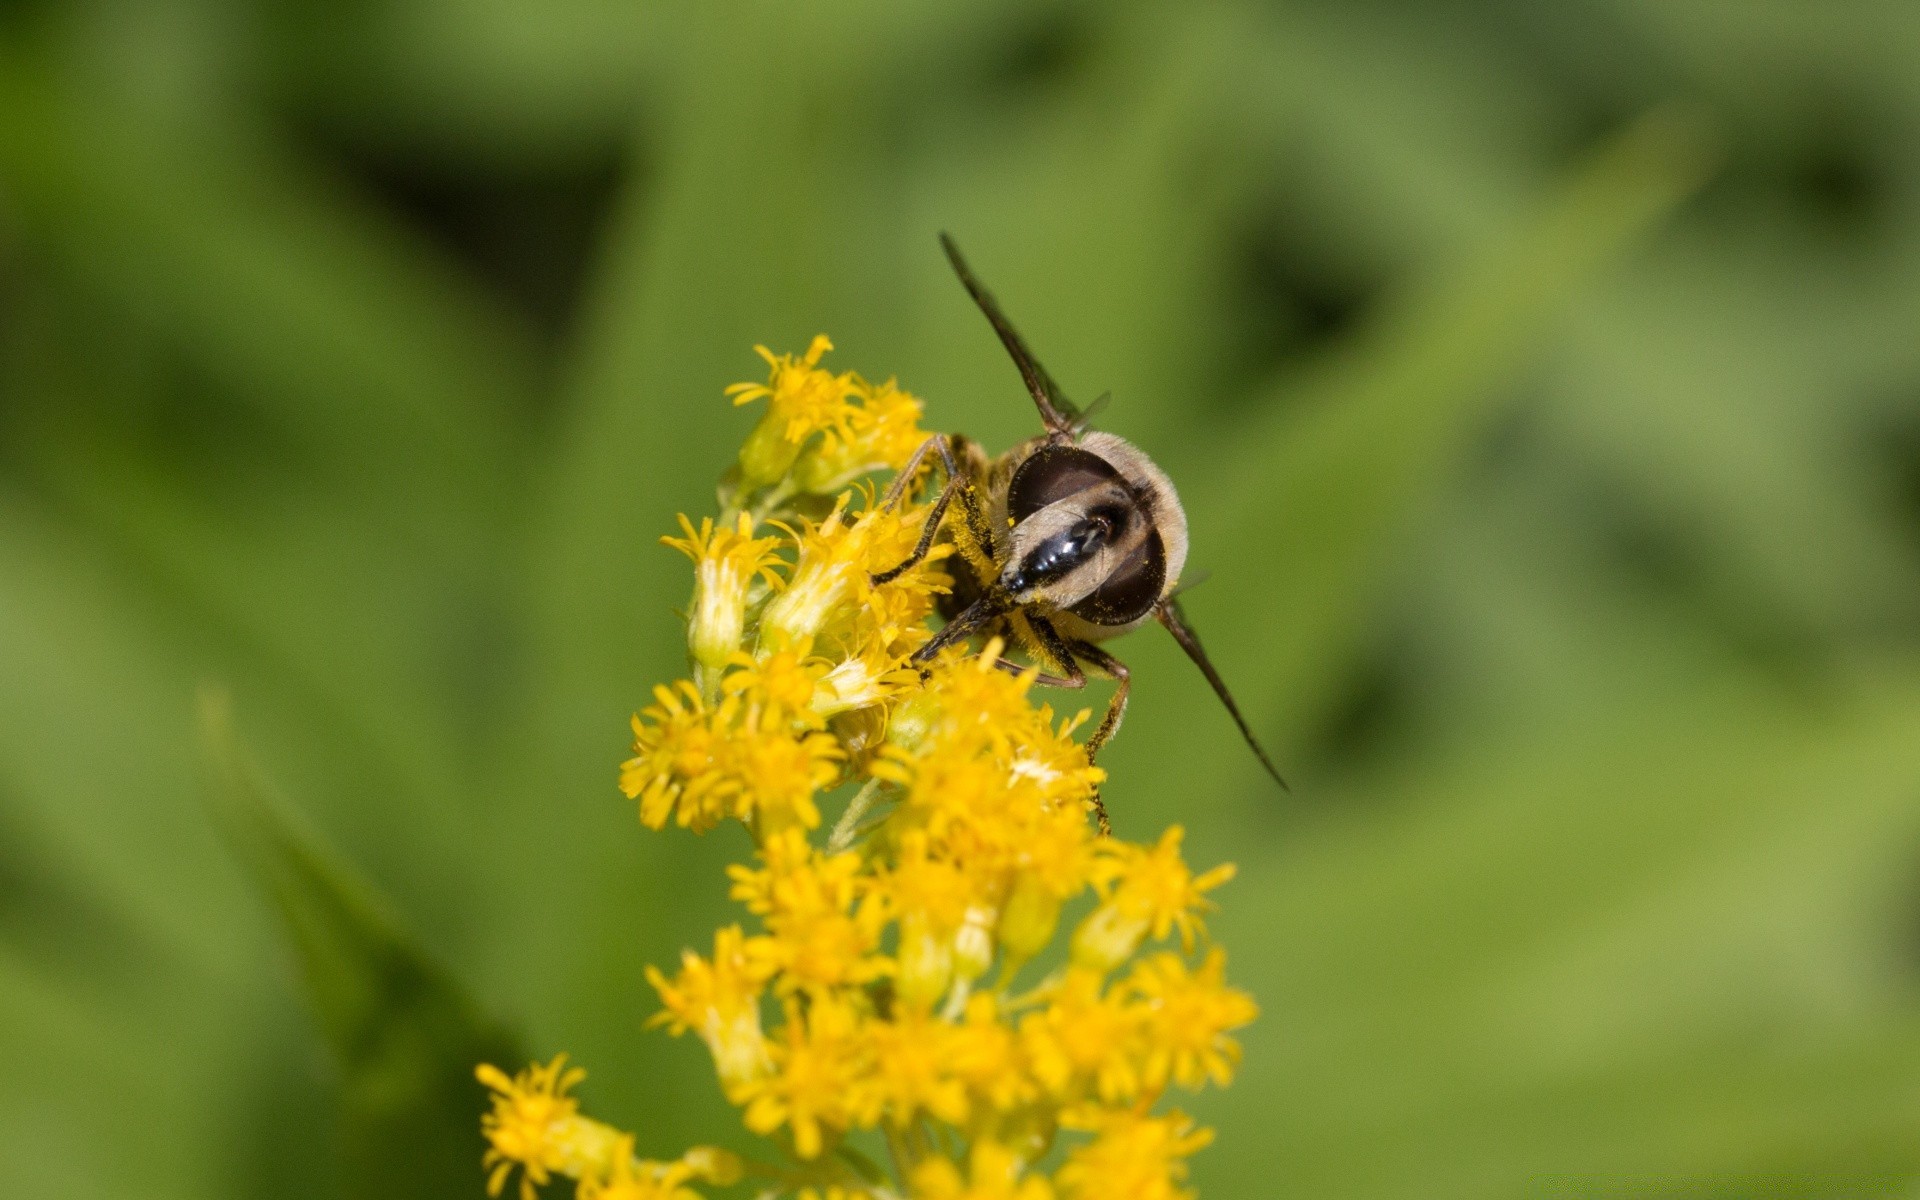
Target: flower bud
{"type": "Point", "coordinates": [973, 944]}
{"type": "Point", "coordinates": [721, 1168]}
{"type": "Point", "coordinates": [1108, 937]}
{"type": "Point", "coordinates": [804, 608]}
{"type": "Point", "coordinates": [738, 1046]}
{"type": "Point", "coordinates": [1029, 918]}
{"type": "Point", "coordinates": [830, 464]}
{"type": "Point", "coordinates": [588, 1147]}
{"type": "Point", "coordinates": [912, 720]}
{"type": "Point", "coordinates": [768, 454]}
{"type": "Point", "coordinates": [926, 964]}
{"type": "Point", "coordinates": [718, 616]}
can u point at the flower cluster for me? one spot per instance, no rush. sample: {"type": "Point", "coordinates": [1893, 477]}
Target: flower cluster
{"type": "Point", "coordinates": [536, 1126]}
{"type": "Point", "coordinates": [887, 1002]}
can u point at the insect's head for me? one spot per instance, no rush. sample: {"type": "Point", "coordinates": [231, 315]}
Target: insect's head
{"type": "Point", "coordinates": [1084, 537]}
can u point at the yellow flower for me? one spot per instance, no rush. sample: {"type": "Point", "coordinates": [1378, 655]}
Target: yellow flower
{"type": "Point", "coordinates": [986, 1054]}
{"type": "Point", "coordinates": [820, 934]}
{"type": "Point", "coordinates": [631, 1180]}
{"type": "Point", "coordinates": [1186, 1017]}
{"type": "Point", "coordinates": [994, 1173]}
{"type": "Point", "coordinates": [725, 563]}
{"type": "Point", "coordinates": [675, 768]}
{"type": "Point", "coordinates": [803, 401]}
{"type": "Point", "coordinates": [913, 1069]}
{"type": "Point", "coordinates": [972, 715]}
{"type": "Point", "coordinates": [881, 432]}
{"type": "Point", "coordinates": [722, 1168]}
{"type": "Point", "coordinates": [720, 1000]}
{"type": "Point", "coordinates": [930, 898]}
{"type": "Point", "coordinates": [831, 589]}
{"type": "Point", "coordinates": [774, 773]}
{"type": "Point", "coordinates": [537, 1127]}
{"type": "Point", "coordinates": [779, 687]}
{"type": "Point", "coordinates": [1146, 891]}
{"type": "Point", "coordinates": [874, 673]}
{"type": "Point", "coordinates": [700, 765]}
{"type": "Point", "coordinates": [1132, 1154]}
{"type": "Point", "coordinates": [820, 1084]}
{"type": "Point", "coordinates": [970, 706]}
{"type": "Point", "coordinates": [1084, 1040]}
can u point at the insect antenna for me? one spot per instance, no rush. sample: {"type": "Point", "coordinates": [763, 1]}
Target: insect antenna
{"type": "Point", "coordinates": [1056, 411]}
{"type": "Point", "coordinates": [1170, 615]}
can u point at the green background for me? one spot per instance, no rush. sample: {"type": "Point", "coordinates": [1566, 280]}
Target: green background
{"type": "Point", "coordinates": [1542, 380]}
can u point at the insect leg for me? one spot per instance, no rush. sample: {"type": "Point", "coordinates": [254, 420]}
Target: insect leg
{"type": "Point", "coordinates": [912, 469]}
{"type": "Point", "coordinates": [957, 484]}
{"type": "Point", "coordinates": [977, 614]}
{"type": "Point", "coordinates": [1051, 649]}
{"type": "Point", "coordinates": [1066, 654]}
{"type": "Point", "coordinates": [1106, 665]}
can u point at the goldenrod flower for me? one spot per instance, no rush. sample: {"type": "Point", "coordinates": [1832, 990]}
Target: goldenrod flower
{"type": "Point", "coordinates": [631, 1178]}
{"type": "Point", "coordinates": [744, 759]}
{"type": "Point", "coordinates": [536, 1126]}
{"type": "Point", "coordinates": [726, 561]}
{"type": "Point", "coordinates": [778, 687]}
{"type": "Point", "coordinates": [831, 588]}
{"type": "Point", "coordinates": [1145, 891]}
{"type": "Point", "coordinates": [1185, 1019]}
{"type": "Point", "coordinates": [881, 986]}
{"type": "Point", "coordinates": [880, 433]}
{"type": "Point", "coordinates": [820, 935]}
{"type": "Point", "coordinates": [915, 1069]}
{"type": "Point", "coordinates": [1134, 1155]}
{"type": "Point", "coordinates": [674, 768]}
{"type": "Point", "coordinates": [774, 773]}
{"type": "Point", "coordinates": [1085, 1041]}
{"type": "Point", "coordinates": [929, 897]}
{"type": "Point", "coordinates": [803, 401]}
{"type": "Point", "coordinates": [821, 1084]}
{"type": "Point", "coordinates": [994, 1173]}
{"type": "Point", "coordinates": [986, 1054]}
{"type": "Point", "coordinates": [874, 673]}
{"type": "Point", "coordinates": [720, 1000]}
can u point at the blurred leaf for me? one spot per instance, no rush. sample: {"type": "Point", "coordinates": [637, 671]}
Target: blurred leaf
{"type": "Point", "coordinates": [1653, 944]}
{"type": "Point", "coordinates": [404, 1036]}
{"type": "Point", "coordinates": [301, 299]}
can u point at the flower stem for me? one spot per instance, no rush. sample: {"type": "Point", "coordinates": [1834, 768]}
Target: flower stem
{"type": "Point", "coordinates": [849, 823]}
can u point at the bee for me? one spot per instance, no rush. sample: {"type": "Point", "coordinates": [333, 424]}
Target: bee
{"type": "Point", "coordinates": [1066, 540]}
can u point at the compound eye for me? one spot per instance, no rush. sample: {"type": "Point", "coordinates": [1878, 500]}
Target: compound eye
{"type": "Point", "coordinates": [1054, 473]}
{"type": "Point", "coordinates": [1132, 590]}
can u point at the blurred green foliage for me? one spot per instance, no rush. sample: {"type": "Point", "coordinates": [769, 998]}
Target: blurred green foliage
{"type": "Point", "coordinates": [1543, 382]}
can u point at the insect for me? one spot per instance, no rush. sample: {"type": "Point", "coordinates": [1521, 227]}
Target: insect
{"type": "Point", "coordinates": [1064, 541]}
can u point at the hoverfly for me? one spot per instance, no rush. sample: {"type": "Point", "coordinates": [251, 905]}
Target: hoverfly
{"type": "Point", "coordinates": [1066, 540]}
